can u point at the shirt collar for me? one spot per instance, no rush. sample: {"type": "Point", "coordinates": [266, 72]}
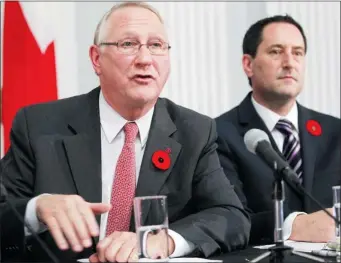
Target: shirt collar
{"type": "Point", "coordinates": [112, 123]}
{"type": "Point", "coordinates": [271, 118]}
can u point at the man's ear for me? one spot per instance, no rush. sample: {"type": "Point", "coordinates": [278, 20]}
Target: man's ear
{"type": "Point", "coordinates": [94, 54]}
{"type": "Point", "coordinates": [247, 62]}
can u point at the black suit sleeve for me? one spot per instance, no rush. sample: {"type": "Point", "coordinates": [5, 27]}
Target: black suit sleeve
{"type": "Point", "coordinates": [12, 236]}
{"type": "Point", "coordinates": [220, 223]}
{"type": "Point", "coordinates": [17, 177]}
{"type": "Point", "coordinates": [262, 223]}
{"type": "Point", "coordinates": [18, 163]}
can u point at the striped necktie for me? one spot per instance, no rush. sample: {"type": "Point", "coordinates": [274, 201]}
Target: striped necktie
{"type": "Point", "coordinates": [291, 147]}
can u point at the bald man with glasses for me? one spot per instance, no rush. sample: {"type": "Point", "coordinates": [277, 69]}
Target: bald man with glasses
{"type": "Point", "coordinates": [78, 163]}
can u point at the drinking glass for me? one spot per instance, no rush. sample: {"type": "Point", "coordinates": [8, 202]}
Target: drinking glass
{"type": "Point", "coordinates": [151, 223]}
{"type": "Point", "coordinates": [336, 212]}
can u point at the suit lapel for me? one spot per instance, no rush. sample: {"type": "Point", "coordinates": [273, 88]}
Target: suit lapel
{"type": "Point", "coordinates": [151, 178]}
{"type": "Point", "coordinates": [309, 145]}
{"type": "Point", "coordinates": [249, 119]}
{"type": "Point", "coordinates": [83, 150]}
{"type": "Point", "coordinates": [85, 168]}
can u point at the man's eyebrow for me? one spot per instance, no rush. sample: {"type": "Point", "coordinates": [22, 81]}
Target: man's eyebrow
{"type": "Point", "coordinates": [299, 47]}
{"type": "Point", "coordinates": [282, 46]}
{"type": "Point", "coordinates": [275, 46]}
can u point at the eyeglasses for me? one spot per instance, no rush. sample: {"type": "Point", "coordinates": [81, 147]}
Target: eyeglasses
{"type": "Point", "coordinates": [131, 47]}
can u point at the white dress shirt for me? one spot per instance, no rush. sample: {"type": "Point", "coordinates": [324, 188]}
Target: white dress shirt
{"type": "Point", "coordinates": [112, 141]}
{"type": "Point", "coordinates": [270, 119]}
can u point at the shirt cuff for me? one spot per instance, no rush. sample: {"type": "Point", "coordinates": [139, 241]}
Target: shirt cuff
{"type": "Point", "coordinates": [32, 219]}
{"type": "Point", "coordinates": [287, 225]}
{"type": "Point", "coordinates": [182, 246]}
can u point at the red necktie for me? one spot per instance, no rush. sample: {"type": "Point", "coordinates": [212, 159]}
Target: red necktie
{"type": "Point", "coordinates": [123, 189]}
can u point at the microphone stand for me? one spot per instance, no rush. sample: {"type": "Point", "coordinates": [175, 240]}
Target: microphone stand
{"type": "Point", "coordinates": [278, 252]}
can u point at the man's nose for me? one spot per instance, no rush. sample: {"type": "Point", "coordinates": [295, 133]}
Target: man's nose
{"type": "Point", "coordinates": [288, 60]}
{"type": "Point", "coordinates": [143, 55]}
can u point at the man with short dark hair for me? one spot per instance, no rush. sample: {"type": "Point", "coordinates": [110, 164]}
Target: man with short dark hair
{"type": "Point", "coordinates": [274, 61]}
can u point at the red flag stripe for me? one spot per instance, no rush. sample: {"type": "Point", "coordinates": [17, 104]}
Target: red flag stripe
{"type": "Point", "coordinates": [29, 76]}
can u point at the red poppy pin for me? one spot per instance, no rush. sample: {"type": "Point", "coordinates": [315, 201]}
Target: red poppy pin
{"type": "Point", "coordinates": [161, 159]}
{"type": "Point", "coordinates": [314, 127]}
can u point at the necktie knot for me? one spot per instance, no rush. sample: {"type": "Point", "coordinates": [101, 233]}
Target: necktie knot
{"type": "Point", "coordinates": [130, 129]}
{"type": "Point", "coordinates": [285, 127]}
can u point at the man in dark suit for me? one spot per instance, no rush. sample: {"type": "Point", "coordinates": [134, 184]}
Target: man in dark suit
{"type": "Point", "coordinates": [79, 157]}
{"type": "Point", "coordinates": [274, 60]}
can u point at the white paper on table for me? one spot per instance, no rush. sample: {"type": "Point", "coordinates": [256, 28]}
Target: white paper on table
{"type": "Point", "coordinates": [264, 246]}
{"type": "Point", "coordinates": [298, 246]}
{"type": "Point", "coordinates": [84, 260]}
{"type": "Point", "coordinates": [304, 246]}
{"type": "Point", "coordinates": [193, 260]}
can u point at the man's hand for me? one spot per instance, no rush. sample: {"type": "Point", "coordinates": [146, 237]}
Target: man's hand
{"type": "Point", "coordinates": [70, 219]}
{"type": "Point", "coordinates": [122, 247]}
{"type": "Point", "coordinates": [314, 227]}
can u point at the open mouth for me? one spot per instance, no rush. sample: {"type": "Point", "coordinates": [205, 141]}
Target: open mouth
{"type": "Point", "coordinates": [143, 76]}
{"type": "Point", "coordinates": [143, 79]}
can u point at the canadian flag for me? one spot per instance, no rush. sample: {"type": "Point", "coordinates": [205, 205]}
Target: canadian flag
{"type": "Point", "coordinates": [39, 61]}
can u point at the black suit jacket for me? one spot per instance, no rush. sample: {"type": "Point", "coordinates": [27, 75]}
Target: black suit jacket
{"type": "Point", "coordinates": [55, 148]}
{"type": "Point", "coordinates": [253, 179]}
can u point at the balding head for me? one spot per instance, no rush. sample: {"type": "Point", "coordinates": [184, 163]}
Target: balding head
{"type": "Point", "coordinates": [101, 29]}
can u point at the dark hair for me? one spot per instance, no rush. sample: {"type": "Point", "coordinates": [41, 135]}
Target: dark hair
{"type": "Point", "coordinates": [254, 35]}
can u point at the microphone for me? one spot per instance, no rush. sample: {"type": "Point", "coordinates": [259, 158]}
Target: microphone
{"type": "Point", "coordinates": [258, 142]}
{"type": "Point", "coordinates": [3, 195]}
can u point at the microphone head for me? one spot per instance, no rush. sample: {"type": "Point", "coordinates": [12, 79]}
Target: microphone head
{"type": "Point", "coordinates": [253, 137]}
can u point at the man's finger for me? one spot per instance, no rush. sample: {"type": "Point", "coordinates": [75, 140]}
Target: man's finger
{"type": "Point", "coordinates": [89, 219]}
{"type": "Point", "coordinates": [117, 240]}
{"type": "Point", "coordinates": [101, 248]}
{"type": "Point", "coordinates": [94, 258]}
{"type": "Point", "coordinates": [126, 249]}
{"type": "Point", "coordinates": [134, 256]}
{"type": "Point", "coordinates": [99, 208]}
{"type": "Point", "coordinates": [79, 225]}
{"type": "Point", "coordinates": [69, 231]}
{"type": "Point", "coordinates": [57, 233]}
